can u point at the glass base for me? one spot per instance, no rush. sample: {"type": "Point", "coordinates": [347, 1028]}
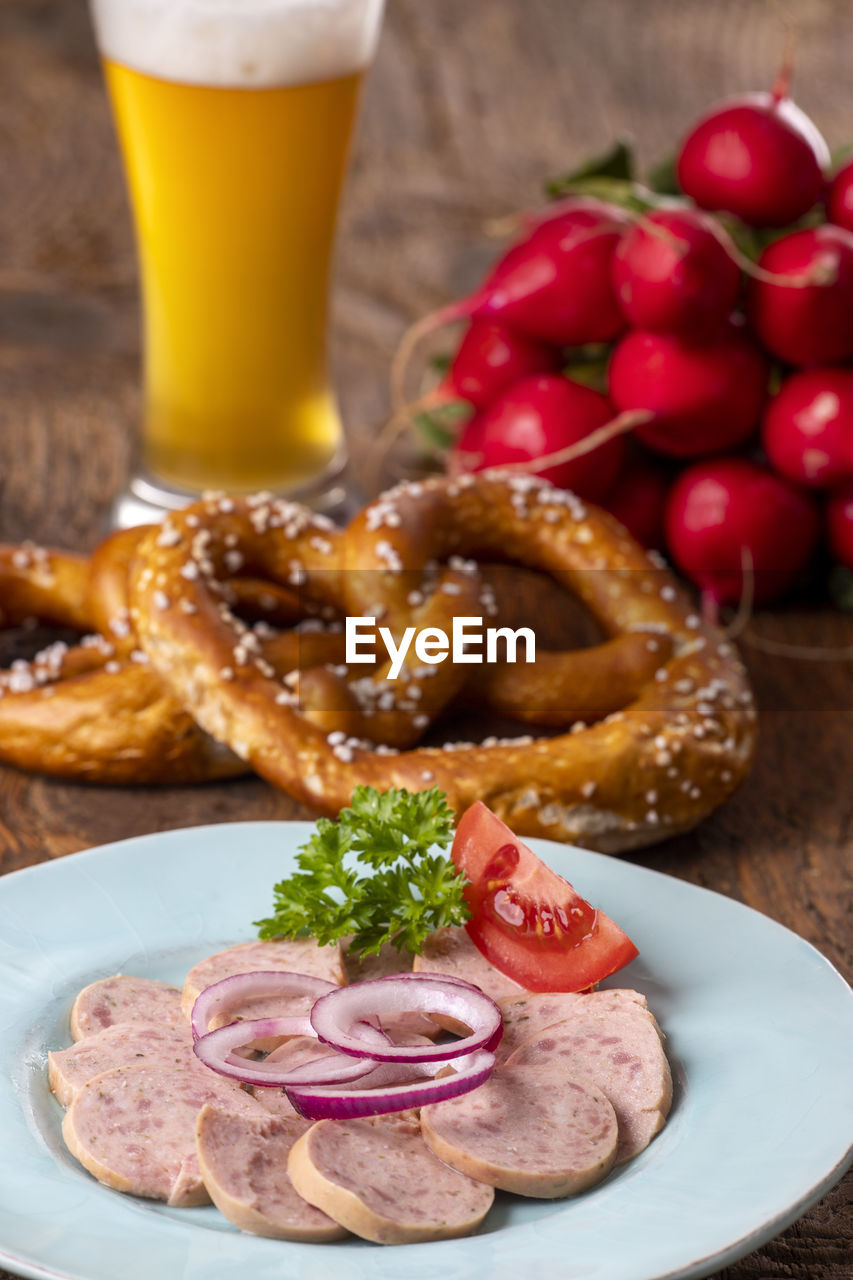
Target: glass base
{"type": "Point", "coordinates": [147, 500]}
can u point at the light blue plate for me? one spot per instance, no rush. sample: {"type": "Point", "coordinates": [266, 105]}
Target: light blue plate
{"type": "Point", "coordinates": [760, 1036]}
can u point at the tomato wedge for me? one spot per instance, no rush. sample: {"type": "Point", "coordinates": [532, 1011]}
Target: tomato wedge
{"type": "Point", "coordinates": [526, 920]}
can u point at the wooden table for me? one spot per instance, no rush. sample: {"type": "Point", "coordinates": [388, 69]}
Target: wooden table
{"type": "Point", "coordinates": [469, 107]}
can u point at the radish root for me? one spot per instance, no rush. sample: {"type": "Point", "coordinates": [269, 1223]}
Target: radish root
{"type": "Point", "coordinates": [743, 613]}
{"type": "Point", "coordinates": [736, 629]}
{"type": "Point", "coordinates": [804, 652]}
{"type": "Point", "coordinates": [397, 425]}
{"type": "Point", "coordinates": [618, 426]}
{"type": "Point", "coordinates": [818, 274]}
{"type": "Point", "coordinates": [408, 343]}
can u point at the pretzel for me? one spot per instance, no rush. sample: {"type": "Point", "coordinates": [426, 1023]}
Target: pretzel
{"type": "Point", "coordinates": [97, 710]}
{"type": "Point", "coordinates": [655, 767]}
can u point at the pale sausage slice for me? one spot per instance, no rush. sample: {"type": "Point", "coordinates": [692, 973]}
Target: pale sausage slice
{"type": "Point", "coordinates": [122, 1045]}
{"type": "Point", "coordinates": [450, 950]}
{"type": "Point", "coordinates": [526, 1131]}
{"type": "Point", "coordinates": [293, 1053]}
{"type": "Point", "coordinates": [133, 1128]}
{"type": "Point", "coordinates": [243, 1161]}
{"type": "Point", "coordinates": [386, 964]}
{"type": "Point", "coordinates": [379, 1180]}
{"type": "Point", "coordinates": [294, 955]}
{"type": "Point", "coordinates": [621, 1050]}
{"type": "Point", "coordinates": [526, 1015]}
{"type": "Point", "coordinates": [123, 999]}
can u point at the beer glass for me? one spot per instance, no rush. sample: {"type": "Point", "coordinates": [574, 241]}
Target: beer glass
{"type": "Point", "coordinates": [234, 118]}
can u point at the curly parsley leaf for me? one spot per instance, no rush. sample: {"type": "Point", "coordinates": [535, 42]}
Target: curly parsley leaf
{"type": "Point", "coordinates": [374, 874]}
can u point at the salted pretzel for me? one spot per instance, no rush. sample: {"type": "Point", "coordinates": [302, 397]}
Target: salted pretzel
{"type": "Point", "coordinates": [682, 743]}
{"type": "Point", "coordinates": [97, 710]}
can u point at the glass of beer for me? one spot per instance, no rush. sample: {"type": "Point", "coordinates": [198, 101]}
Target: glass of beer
{"type": "Point", "coordinates": [234, 118]}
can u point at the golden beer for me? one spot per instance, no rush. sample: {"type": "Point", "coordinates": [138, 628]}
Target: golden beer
{"type": "Point", "coordinates": [235, 186]}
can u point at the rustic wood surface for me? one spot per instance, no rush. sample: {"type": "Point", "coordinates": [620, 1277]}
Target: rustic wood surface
{"type": "Point", "coordinates": [469, 107]}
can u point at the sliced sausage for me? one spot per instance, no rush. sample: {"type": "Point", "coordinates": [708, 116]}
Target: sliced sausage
{"type": "Point", "coordinates": [119, 1046]}
{"type": "Point", "coordinates": [449, 950]}
{"type": "Point", "coordinates": [378, 1179]}
{"type": "Point", "coordinates": [386, 964]}
{"type": "Point", "coordinates": [295, 955]}
{"type": "Point", "coordinates": [133, 1128]}
{"type": "Point", "coordinates": [243, 1161]}
{"type": "Point", "coordinates": [388, 961]}
{"type": "Point", "coordinates": [526, 1132]}
{"type": "Point", "coordinates": [122, 999]}
{"type": "Point", "coordinates": [293, 1053]}
{"type": "Point", "coordinates": [620, 1049]}
{"type": "Point", "coordinates": [527, 1015]}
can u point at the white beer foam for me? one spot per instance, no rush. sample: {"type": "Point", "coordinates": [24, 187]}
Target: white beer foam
{"type": "Point", "coordinates": [239, 43]}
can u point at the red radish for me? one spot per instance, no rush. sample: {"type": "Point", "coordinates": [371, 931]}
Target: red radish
{"type": "Point", "coordinates": [489, 359]}
{"type": "Point", "coordinates": [553, 285]}
{"type": "Point", "coordinates": [705, 398]}
{"type": "Point", "coordinates": [537, 417]}
{"type": "Point", "coordinates": [757, 156]}
{"type": "Point", "coordinates": [808, 427]}
{"type": "Point", "coordinates": [839, 523]}
{"type": "Point", "coordinates": [531, 219]}
{"type": "Point", "coordinates": [839, 202]}
{"type": "Point", "coordinates": [637, 499]}
{"type": "Point", "coordinates": [720, 508]}
{"type": "Point", "coordinates": [806, 317]}
{"type": "Point", "coordinates": [673, 273]}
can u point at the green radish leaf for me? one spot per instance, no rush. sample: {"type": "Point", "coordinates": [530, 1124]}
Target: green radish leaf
{"type": "Point", "coordinates": [748, 240]}
{"type": "Point", "coordinates": [662, 178]}
{"type": "Point", "coordinates": [618, 191]}
{"type": "Point", "coordinates": [617, 162]}
{"type": "Point", "coordinates": [592, 353]}
{"type": "Point", "coordinates": [432, 433]}
{"type": "Point", "coordinates": [840, 155]}
{"type": "Point", "coordinates": [589, 374]}
{"type": "Point", "coordinates": [752, 241]}
{"type": "Point", "coordinates": [439, 427]}
{"type": "Point", "coordinates": [588, 365]}
{"type": "Point", "coordinates": [841, 588]}
{"type": "Point", "coordinates": [775, 379]}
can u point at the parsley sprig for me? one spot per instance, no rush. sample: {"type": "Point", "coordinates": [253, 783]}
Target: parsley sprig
{"type": "Point", "coordinates": [372, 874]}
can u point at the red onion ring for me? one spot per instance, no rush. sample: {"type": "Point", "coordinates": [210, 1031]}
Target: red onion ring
{"type": "Point", "coordinates": [215, 1050]}
{"type": "Point", "coordinates": [382, 1091]}
{"type": "Point", "coordinates": [335, 1015]}
{"type": "Point", "coordinates": [220, 997]}
{"type": "Point", "coordinates": [389, 1077]}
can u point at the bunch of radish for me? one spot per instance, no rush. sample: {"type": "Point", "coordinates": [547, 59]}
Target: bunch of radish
{"type": "Point", "coordinates": [701, 339]}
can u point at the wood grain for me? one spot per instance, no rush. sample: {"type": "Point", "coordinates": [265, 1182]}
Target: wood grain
{"type": "Point", "coordinates": [470, 106]}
